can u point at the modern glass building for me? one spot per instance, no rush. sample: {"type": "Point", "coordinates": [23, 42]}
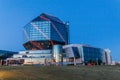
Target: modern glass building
{"type": "Point", "coordinates": [45, 31]}
{"type": "Point", "coordinates": [87, 54]}
{"type": "Point", "coordinates": [40, 35]}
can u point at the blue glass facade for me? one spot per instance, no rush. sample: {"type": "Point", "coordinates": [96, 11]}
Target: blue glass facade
{"type": "Point", "coordinates": [39, 30]}
{"type": "Point", "coordinates": [92, 54]}
{"type": "Point", "coordinates": [63, 31]}
{"type": "Point", "coordinates": [87, 54]}
{"type": "Point", "coordinates": [45, 31]}
{"type": "Point", "coordinates": [76, 52]}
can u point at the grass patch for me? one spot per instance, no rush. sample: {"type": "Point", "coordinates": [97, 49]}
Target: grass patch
{"type": "Point", "coordinates": [59, 73]}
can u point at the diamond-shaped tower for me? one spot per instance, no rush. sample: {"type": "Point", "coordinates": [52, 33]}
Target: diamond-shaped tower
{"type": "Point", "coordinates": [45, 31]}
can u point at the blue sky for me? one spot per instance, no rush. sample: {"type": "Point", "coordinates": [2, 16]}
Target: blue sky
{"type": "Point", "coordinates": [93, 22]}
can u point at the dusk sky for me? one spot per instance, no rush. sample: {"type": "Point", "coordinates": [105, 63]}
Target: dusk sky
{"type": "Point", "coordinates": [93, 22]}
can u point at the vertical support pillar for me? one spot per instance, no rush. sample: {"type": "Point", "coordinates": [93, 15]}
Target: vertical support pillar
{"type": "Point", "coordinates": [74, 61]}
